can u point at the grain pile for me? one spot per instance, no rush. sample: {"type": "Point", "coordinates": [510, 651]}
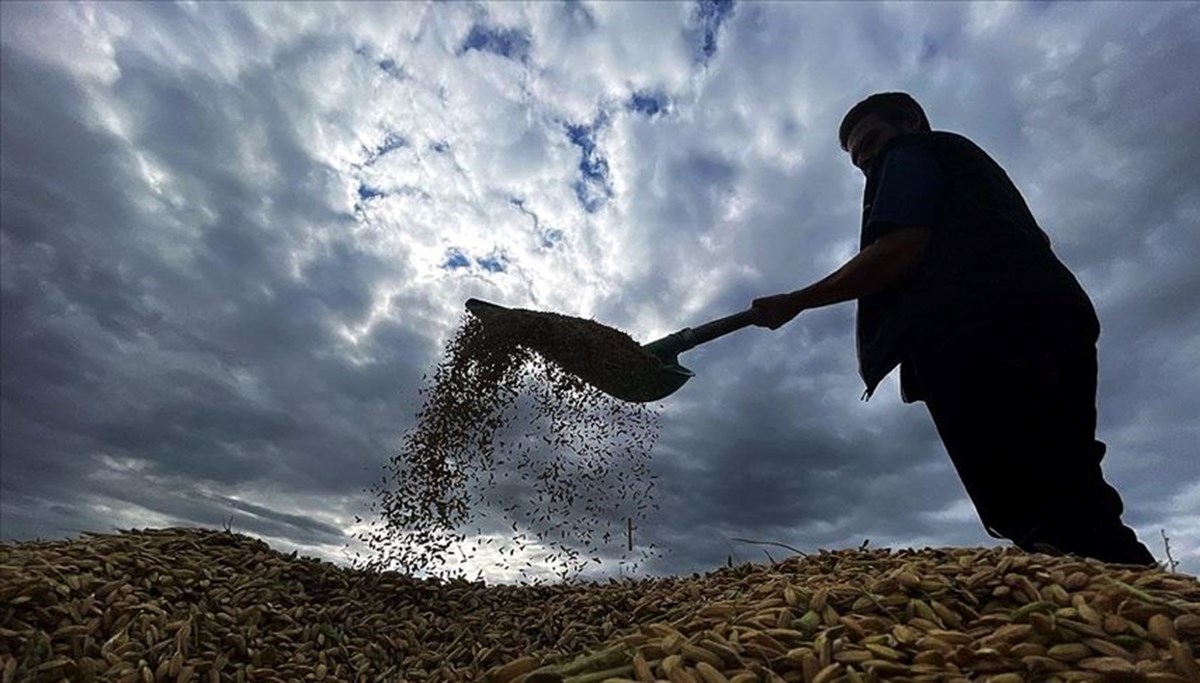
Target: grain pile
{"type": "Point", "coordinates": [194, 605]}
{"type": "Point", "coordinates": [509, 435]}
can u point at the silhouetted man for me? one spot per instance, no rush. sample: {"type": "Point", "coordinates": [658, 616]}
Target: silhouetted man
{"type": "Point", "coordinates": [957, 285]}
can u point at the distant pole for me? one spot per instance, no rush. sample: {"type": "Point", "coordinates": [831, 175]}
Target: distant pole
{"type": "Point", "coordinates": [629, 531]}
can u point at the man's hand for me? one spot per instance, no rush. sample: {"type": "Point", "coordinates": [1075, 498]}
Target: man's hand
{"type": "Point", "coordinates": [886, 263]}
{"type": "Point", "coordinates": [776, 311]}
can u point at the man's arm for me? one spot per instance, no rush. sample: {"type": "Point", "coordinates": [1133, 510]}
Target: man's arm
{"type": "Point", "coordinates": [886, 263]}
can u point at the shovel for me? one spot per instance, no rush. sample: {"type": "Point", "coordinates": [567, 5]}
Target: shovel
{"type": "Point", "coordinates": [644, 382]}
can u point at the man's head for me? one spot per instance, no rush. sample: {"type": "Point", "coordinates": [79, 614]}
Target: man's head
{"type": "Point", "coordinates": [872, 123]}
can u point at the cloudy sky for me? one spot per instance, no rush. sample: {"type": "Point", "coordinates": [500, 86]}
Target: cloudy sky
{"type": "Point", "coordinates": [235, 236]}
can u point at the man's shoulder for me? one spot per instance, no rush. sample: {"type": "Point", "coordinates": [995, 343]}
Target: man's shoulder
{"type": "Point", "coordinates": [938, 139]}
{"type": "Point", "coordinates": [952, 150]}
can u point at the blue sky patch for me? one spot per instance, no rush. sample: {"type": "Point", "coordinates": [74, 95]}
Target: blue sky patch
{"type": "Point", "coordinates": [456, 259]}
{"type": "Point", "coordinates": [548, 239]}
{"type": "Point", "coordinates": [366, 192]}
{"type": "Point", "coordinates": [712, 13]}
{"type": "Point", "coordinates": [389, 67]}
{"type": "Point", "coordinates": [511, 43]}
{"type": "Point", "coordinates": [593, 188]}
{"type": "Point", "coordinates": [649, 103]}
{"type": "Point", "coordinates": [391, 143]}
{"type": "Point", "coordinates": [496, 262]}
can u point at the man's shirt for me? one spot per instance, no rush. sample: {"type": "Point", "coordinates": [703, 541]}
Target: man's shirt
{"type": "Point", "coordinates": [987, 259]}
{"type": "Point", "coordinates": [910, 193]}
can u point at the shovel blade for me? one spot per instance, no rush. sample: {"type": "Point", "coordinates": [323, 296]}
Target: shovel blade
{"type": "Point", "coordinates": [668, 380]}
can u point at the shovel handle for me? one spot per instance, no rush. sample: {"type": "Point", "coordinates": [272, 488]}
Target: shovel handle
{"type": "Point", "coordinates": [723, 326]}
{"type": "Point", "coordinates": [690, 337]}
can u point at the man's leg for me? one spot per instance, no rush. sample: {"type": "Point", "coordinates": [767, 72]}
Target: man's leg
{"type": "Point", "coordinates": [1016, 412]}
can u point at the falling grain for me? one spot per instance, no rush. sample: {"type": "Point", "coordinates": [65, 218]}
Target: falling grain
{"type": "Point", "coordinates": [510, 431]}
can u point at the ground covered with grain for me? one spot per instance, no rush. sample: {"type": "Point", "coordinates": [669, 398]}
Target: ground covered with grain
{"type": "Point", "coordinates": [200, 605]}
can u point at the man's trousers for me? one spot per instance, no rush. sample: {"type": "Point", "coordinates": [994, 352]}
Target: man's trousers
{"type": "Point", "coordinates": [1015, 406]}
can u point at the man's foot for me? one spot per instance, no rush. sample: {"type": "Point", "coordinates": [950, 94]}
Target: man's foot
{"type": "Point", "coordinates": [1113, 543]}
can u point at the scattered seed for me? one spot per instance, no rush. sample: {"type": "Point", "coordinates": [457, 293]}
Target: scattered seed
{"type": "Point", "coordinates": [509, 431]}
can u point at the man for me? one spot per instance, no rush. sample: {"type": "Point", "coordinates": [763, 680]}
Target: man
{"type": "Point", "coordinates": [957, 285]}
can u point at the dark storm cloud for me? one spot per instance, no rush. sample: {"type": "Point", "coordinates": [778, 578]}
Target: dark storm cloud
{"type": "Point", "coordinates": [175, 342]}
{"type": "Point", "coordinates": [1122, 143]}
